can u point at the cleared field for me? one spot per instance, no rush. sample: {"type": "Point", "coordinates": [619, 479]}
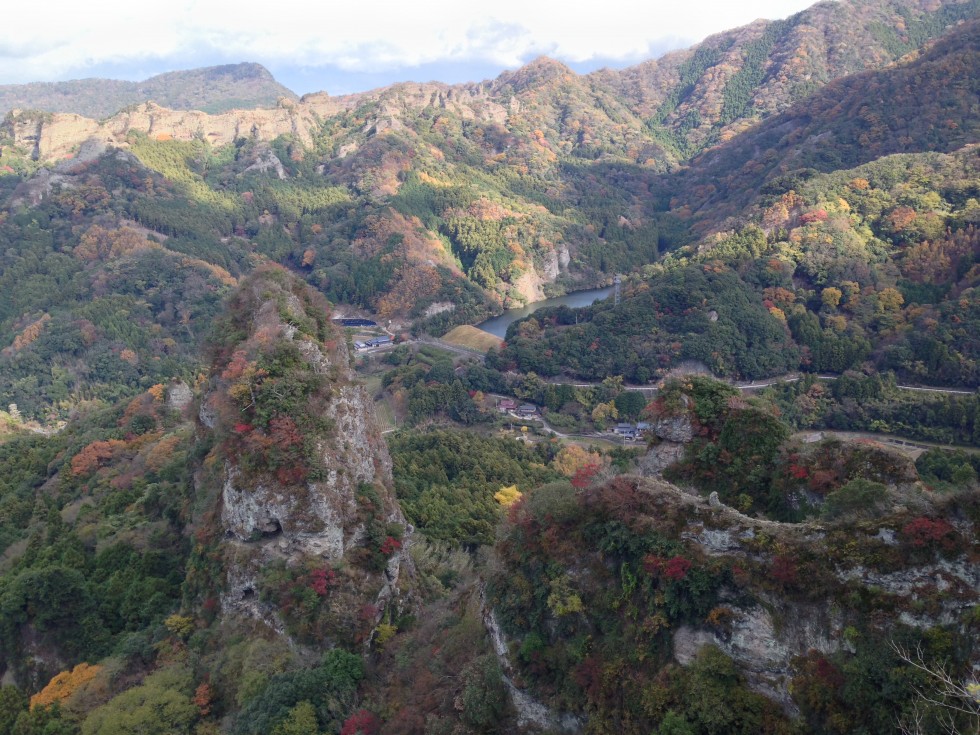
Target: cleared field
{"type": "Point", "coordinates": [472, 338]}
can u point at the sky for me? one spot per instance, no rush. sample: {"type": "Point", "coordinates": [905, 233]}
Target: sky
{"type": "Point", "coordinates": [350, 46]}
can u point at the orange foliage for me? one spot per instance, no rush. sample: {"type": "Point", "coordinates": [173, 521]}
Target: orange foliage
{"type": "Point", "coordinates": [98, 243]}
{"type": "Point", "coordinates": [65, 684]}
{"type": "Point", "coordinates": [30, 333]}
{"type": "Point", "coordinates": [203, 697]}
{"type": "Point", "coordinates": [901, 218]}
{"type": "Point", "coordinates": [411, 284]}
{"type": "Point", "coordinates": [127, 355]}
{"type": "Point", "coordinates": [573, 458]}
{"type": "Point", "coordinates": [94, 456]}
{"type": "Point", "coordinates": [161, 453]}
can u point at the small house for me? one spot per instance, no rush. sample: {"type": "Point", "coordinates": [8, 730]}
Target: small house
{"type": "Point", "coordinates": [507, 405]}
{"type": "Point", "coordinates": [627, 431]}
{"type": "Point", "coordinates": [527, 409]}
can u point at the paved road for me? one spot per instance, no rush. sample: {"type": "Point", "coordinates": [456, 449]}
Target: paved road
{"type": "Point", "coordinates": [651, 388]}
{"type": "Point", "coordinates": [913, 446]}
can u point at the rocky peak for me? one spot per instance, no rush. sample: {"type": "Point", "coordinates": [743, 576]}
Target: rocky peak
{"type": "Point", "coordinates": [306, 476]}
{"type": "Point", "coordinates": [539, 72]}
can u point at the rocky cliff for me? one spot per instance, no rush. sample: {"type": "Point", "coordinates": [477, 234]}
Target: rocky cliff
{"type": "Point", "coordinates": [630, 600]}
{"type": "Point", "coordinates": [305, 476]}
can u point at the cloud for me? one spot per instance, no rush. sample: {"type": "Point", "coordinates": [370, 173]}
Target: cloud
{"type": "Point", "coordinates": [73, 37]}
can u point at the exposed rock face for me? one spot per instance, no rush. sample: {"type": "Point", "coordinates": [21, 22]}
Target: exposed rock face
{"type": "Point", "coordinates": [660, 457]}
{"type": "Point", "coordinates": [319, 518]}
{"type": "Point", "coordinates": [266, 160]}
{"type": "Point", "coordinates": [179, 396]}
{"type": "Point", "coordinates": [763, 640]}
{"type": "Point", "coordinates": [530, 712]}
{"type": "Point", "coordinates": [52, 136]}
{"type": "Point", "coordinates": [674, 431]}
{"type": "Point", "coordinates": [676, 427]}
{"type": "Point", "coordinates": [267, 516]}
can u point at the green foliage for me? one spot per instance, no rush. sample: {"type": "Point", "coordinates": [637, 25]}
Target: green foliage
{"type": "Point", "coordinates": [873, 403]}
{"type": "Point", "coordinates": [669, 320]}
{"type": "Point", "coordinates": [739, 459]}
{"type": "Point", "coordinates": [329, 687]}
{"type": "Point", "coordinates": [161, 705]}
{"type": "Point", "coordinates": [445, 481]}
{"type": "Point", "coordinates": [857, 497]}
{"type": "Point", "coordinates": [484, 696]}
{"type": "Point", "coordinates": [742, 85]}
{"type": "Point", "coordinates": [12, 703]}
{"type": "Point", "coordinates": [597, 560]}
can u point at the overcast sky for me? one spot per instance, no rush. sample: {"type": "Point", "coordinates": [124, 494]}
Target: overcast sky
{"type": "Point", "coordinates": [349, 46]}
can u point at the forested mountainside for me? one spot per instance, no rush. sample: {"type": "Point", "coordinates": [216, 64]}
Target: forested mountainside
{"type": "Point", "coordinates": [211, 89]}
{"type": "Point", "coordinates": [437, 204]}
{"type": "Point", "coordinates": [219, 515]}
{"type": "Point", "coordinates": [812, 262]}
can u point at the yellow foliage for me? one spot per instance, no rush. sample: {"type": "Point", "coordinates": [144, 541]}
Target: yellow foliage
{"type": "Point", "coordinates": [179, 625]}
{"type": "Point", "coordinates": [384, 633]}
{"type": "Point", "coordinates": [161, 453]}
{"type": "Point", "coordinates": [573, 458]}
{"type": "Point", "coordinates": [831, 297]}
{"type": "Point", "coordinates": [890, 299]}
{"type": "Point", "coordinates": [563, 600]}
{"type": "Point", "coordinates": [507, 496]}
{"type": "Point", "coordinates": [65, 684]}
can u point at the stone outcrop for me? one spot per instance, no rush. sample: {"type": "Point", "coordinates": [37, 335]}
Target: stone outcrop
{"type": "Point", "coordinates": [265, 517]}
{"type": "Point", "coordinates": [532, 715]}
{"type": "Point", "coordinates": [673, 432]}
{"type": "Point", "coordinates": [55, 136]}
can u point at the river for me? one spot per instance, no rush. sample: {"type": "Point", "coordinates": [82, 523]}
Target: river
{"type": "Point", "coordinates": [497, 326]}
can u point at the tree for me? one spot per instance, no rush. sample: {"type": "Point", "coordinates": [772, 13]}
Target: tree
{"type": "Point", "coordinates": [573, 458]}
{"type": "Point", "coordinates": [955, 704]}
{"type": "Point", "coordinates": [12, 703]}
{"type": "Point", "coordinates": [831, 297]}
{"type": "Point", "coordinates": [159, 706]}
{"type": "Point", "coordinates": [63, 685]}
{"type": "Point", "coordinates": [301, 720]}
{"type": "Point", "coordinates": [630, 403]}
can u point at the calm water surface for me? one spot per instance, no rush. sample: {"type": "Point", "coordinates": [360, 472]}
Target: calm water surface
{"type": "Point", "coordinates": [498, 325]}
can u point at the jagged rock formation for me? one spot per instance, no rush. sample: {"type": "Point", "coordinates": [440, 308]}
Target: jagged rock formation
{"type": "Point", "coordinates": [306, 477]}
{"type": "Point", "coordinates": [698, 97]}
{"type": "Point", "coordinates": [792, 592]}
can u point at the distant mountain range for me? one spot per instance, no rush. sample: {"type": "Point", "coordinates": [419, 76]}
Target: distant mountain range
{"type": "Point", "coordinates": [440, 204]}
{"type": "Point", "coordinates": [210, 89]}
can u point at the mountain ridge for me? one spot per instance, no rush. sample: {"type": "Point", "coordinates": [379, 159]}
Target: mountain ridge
{"type": "Point", "coordinates": [210, 89]}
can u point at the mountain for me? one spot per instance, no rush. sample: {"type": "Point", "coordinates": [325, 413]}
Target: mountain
{"type": "Point", "coordinates": [436, 205]}
{"type": "Point", "coordinates": [867, 188]}
{"type": "Point", "coordinates": [211, 89]}
{"type": "Point", "coordinates": [219, 516]}
{"type": "Point", "coordinates": [923, 103]}
{"type": "Point", "coordinates": [698, 98]}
